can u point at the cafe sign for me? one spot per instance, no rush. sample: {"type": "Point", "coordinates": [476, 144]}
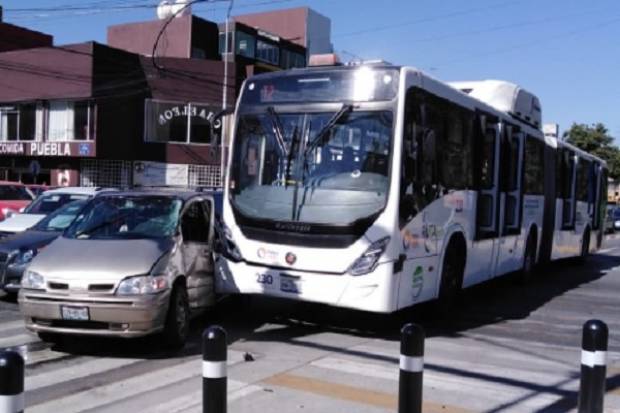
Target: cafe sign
{"type": "Point", "coordinates": [187, 111]}
{"type": "Point", "coordinates": [48, 149]}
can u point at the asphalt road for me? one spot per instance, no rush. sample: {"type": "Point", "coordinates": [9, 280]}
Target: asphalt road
{"type": "Point", "coordinates": [508, 348]}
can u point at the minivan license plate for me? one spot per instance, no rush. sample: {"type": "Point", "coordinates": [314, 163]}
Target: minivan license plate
{"type": "Point", "coordinates": [74, 313]}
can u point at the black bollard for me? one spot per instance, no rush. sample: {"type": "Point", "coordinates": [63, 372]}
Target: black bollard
{"type": "Point", "coordinates": [214, 370]}
{"type": "Point", "coordinates": [11, 382]}
{"type": "Point", "coordinates": [411, 369]}
{"type": "Point", "coordinates": [593, 367]}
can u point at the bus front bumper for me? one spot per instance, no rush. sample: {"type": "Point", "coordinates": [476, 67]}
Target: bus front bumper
{"type": "Point", "coordinates": [369, 292]}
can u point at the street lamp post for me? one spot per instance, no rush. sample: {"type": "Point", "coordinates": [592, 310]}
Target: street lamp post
{"type": "Point", "coordinates": [225, 91]}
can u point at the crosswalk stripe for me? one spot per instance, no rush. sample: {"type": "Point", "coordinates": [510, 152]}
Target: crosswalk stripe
{"type": "Point", "coordinates": [107, 395]}
{"type": "Point", "coordinates": [192, 402]}
{"type": "Point", "coordinates": [11, 325]}
{"type": "Point", "coordinates": [17, 340]}
{"type": "Point", "coordinates": [444, 381]}
{"type": "Point", "coordinates": [110, 393]}
{"type": "Point", "coordinates": [84, 369]}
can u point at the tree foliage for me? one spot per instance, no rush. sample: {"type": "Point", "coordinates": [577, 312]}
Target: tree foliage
{"type": "Point", "coordinates": [596, 139]}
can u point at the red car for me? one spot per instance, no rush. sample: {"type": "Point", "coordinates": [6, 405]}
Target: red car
{"type": "Point", "coordinates": [13, 197]}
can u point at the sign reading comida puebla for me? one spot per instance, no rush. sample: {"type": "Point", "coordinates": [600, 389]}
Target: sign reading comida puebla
{"type": "Point", "coordinates": [83, 149]}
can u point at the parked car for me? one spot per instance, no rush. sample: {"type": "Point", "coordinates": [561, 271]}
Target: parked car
{"type": "Point", "coordinates": [14, 197]}
{"type": "Point", "coordinates": [615, 216]}
{"type": "Point", "coordinates": [46, 203]}
{"type": "Point", "coordinates": [38, 189]}
{"type": "Point", "coordinates": [133, 263]}
{"type": "Point", "coordinates": [16, 251]}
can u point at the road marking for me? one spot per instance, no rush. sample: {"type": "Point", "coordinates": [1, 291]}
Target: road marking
{"type": "Point", "coordinates": [17, 340]}
{"type": "Point", "coordinates": [78, 371]}
{"type": "Point", "coordinates": [192, 401]}
{"type": "Point", "coordinates": [352, 394]}
{"type": "Point", "coordinates": [11, 325]}
{"type": "Point", "coordinates": [110, 393]}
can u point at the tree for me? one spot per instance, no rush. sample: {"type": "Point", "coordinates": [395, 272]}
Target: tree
{"type": "Point", "coordinates": [596, 140]}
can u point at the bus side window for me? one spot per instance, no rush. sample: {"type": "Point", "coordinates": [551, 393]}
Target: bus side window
{"type": "Point", "coordinates": [407, 207]}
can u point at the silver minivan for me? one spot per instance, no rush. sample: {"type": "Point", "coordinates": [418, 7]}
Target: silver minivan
{"type": "Point", "coordinates": [133, 263]}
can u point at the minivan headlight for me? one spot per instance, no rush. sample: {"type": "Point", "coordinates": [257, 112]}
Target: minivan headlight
{"type": "Point", "coordinates": [367, 262]}
{"type": "Point", "coordinates": [24, 257]}
{"type": "Point", "coordinates": [33, 280]}
{"type": "Point", "coordinates": [146, 284]}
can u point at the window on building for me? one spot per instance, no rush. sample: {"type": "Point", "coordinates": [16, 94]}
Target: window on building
{"type": "Point", "coordinates": [69, 121]}
{"type": "Point", "coordinates": [222, 43]}
{"type": "Point", "coordinates": [21, 122]}
{"type": "Point", "coordinates": [292, 59]}
{"type": "Point", "coordinates": [534, 169]}
{"type": "Point", "coordinates": [267, 52]}
{"type": "Point", "coordinates": [245, 44]}
{"type": "Point", "coordinates": [178, 122]}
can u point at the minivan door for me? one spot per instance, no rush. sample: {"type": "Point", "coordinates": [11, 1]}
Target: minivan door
{"type": "Point", "coordinates": [197, 248]}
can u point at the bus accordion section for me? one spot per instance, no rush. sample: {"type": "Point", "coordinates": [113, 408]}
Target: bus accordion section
{"type": "Point", "coordinates": [377, 187]}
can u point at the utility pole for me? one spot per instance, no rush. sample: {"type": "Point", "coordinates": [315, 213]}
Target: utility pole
{"type": "Point", "coordinates": [225, 93]}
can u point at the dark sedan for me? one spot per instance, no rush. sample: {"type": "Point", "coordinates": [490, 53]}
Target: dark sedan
{"type": "Point", "coordinates": [16, 251]}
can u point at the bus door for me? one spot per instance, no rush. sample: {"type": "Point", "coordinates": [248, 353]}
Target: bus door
{"type": "Point", "coordinates": [569, 178]}
{"type": "Point", "coordinates": [594, 188]}
{"type": "Point", "coordinates": [512, 194]}
{"type": "Point", "coordinates": [487, 205]}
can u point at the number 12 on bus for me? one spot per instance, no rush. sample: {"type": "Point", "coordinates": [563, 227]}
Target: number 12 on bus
{"type": "Point", "coordinates": [377, 187]}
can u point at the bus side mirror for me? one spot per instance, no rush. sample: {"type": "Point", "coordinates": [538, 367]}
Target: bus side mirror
{"type": "Point", "coordinates": [215, 125]}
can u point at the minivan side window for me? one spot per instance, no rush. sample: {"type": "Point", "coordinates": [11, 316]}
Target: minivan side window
{"type": "Point", "coordinates": [194, 224]}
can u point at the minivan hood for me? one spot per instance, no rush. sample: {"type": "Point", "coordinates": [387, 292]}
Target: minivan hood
{"type": "Point", "coordinates": [20, 222]}
{"type": "Point", "coordinates": [102, 260]}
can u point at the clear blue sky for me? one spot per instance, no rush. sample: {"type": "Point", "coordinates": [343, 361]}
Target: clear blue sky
{"type": "Point", "coordinates": [565, 51]}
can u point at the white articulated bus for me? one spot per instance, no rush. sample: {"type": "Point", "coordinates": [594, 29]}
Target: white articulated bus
{"type": "Point", "coordinates": [377, 187]}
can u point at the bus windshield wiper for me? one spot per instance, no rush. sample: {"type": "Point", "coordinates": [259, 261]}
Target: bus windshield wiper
{"type": "Point", "coordinates": [277, 128]}
{"type": "Point", "coordinates": [344, 110]}
{"type": "Point", "coordinates": [287, 171]}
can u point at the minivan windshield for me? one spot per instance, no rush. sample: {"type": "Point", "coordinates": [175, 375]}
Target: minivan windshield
{"type": "Point", "coordinates": [127, 217]}
{"type": "Point", "coordinates": [60, 219]}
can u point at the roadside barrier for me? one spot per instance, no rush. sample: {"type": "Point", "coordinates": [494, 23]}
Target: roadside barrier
{"type": "Point", "coordinates": [11, 382]}
{"type": "Point", "coordinates": [411, 369]}
{"type": "Point", "coordinates": [214, 376]}
{"type": "Point", "coordinates": [593, 366]}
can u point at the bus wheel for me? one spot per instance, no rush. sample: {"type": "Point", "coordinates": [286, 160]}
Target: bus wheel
{"type": "Point", "coordinates": [451, 280]}
{"type": "Point", "coordinates": [529, 260]}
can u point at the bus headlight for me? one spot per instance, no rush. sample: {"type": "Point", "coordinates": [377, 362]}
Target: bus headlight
{"type": "Point", "coordinates": [367, 262]}
{"type": "Point", "coordinates": [228, 248]}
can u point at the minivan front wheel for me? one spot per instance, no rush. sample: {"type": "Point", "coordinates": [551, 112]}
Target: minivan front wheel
{"type": "Point", "coordinates": [176, 329]}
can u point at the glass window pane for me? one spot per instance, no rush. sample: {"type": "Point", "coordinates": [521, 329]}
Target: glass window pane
{"type": "Point", "coordinates": [267, 52]}
{"type": "Point", "coordinates": [166, 121]}
{"type": "Point", "coordinates": [245, 44]}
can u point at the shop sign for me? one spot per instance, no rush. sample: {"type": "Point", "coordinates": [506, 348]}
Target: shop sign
{"type": "Point", "coordinates": [160, 174]}
{"type": "Point", "coordinates": [50, 149]}
{"type": "Point", "coordinates": [12, 149]}
{"type": "Point", "coordinates": [185, 111]}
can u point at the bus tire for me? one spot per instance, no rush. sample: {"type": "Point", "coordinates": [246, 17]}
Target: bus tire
{"type": "Point", "coordinates": [529, 259]}
{"type": "Point", "coordinates": [176, 328]}
{"type": "Point", "coordinates": [451, 277]}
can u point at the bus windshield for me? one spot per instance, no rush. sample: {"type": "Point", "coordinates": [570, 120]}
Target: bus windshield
{"type": "Point", "coordinates": [323, 168]}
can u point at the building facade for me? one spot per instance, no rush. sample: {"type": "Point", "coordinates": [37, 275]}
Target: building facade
{"type": "Point", "coordinates": [115, 115]}
{"type": "Point", "coordinates": [89, 114]}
